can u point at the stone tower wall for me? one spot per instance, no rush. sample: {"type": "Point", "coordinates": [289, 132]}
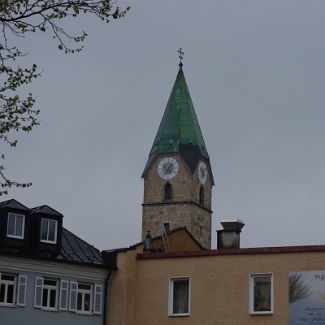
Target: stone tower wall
{"type": "Point", "coordinates": [183, 209]}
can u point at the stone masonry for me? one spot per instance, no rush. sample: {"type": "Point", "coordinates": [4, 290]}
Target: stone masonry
{"type": "Point", "coordinates": [183, 209]}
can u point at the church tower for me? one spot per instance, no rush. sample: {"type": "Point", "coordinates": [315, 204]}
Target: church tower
{"type": "Point", "coordinates": [177, 177]}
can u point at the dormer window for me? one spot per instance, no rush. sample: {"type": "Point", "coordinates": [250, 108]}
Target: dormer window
{"type": "Point", "coordinates": [15, 225]}
{"type": "Point", "coordinates": [49, 229]}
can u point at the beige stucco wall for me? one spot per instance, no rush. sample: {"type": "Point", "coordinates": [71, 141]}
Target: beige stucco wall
{"type": "Point", "coordinates": [122, 286]}
{"type": "Point", "coordinates": [219, 288]}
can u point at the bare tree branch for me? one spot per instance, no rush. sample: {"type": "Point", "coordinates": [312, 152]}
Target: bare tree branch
{"type": "Point", "coordinates": [19, 18]}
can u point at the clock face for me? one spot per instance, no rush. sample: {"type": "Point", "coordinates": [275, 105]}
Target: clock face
{"type": "Point", "coordinates": [203, 172]}
{"type": "Point", "coordinates": [167, 168]}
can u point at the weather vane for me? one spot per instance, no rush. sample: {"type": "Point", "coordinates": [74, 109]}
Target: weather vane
{"type": "Point", "coordinates": [181, 56]}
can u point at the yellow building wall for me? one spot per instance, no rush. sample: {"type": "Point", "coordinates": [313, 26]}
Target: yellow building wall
{"type": "Point", "coordinates": [219, 288]}
{"type": "Point", "coordinates": [122, 286]}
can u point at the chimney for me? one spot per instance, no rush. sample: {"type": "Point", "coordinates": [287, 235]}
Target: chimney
{"type": "Point", "coordinates": [148, 242]}
{"type": "Point", "coordinates": [229, 236]}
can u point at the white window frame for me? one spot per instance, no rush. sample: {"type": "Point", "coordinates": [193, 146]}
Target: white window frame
{"type": "Point", "coordinates": [84, 292]}
{"type": "Point", "coordinates": [55, 233]}
{"type": "Point", "coordinates": [10, 214]}
{"type": "Point", "coordinates": [50, 288]}
{"type": "Point", "coordinates": [251, 294]}
{"type": "Point", "coordinates": [171, 296]}
{"type": "Point", "coordinates": [7, 283]}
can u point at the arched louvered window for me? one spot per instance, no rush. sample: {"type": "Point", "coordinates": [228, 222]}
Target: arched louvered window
{"type": "Point", "coordinates": [168, 192]}
{"type": "Point", "coordinates": [201, 198]}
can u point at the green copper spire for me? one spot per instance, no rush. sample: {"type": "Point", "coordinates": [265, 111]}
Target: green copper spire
{"type": "Point", "coordinates": [179, 130]}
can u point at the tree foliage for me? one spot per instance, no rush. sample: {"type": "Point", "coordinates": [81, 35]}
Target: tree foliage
{"type": "Point", "coordinates": [19, 18]}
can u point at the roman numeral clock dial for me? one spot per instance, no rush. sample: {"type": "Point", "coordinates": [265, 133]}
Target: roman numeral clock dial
{"type": "Point", "coordinates": [167, 168]}
{"type": "Point", "coordinates": [203, 172]}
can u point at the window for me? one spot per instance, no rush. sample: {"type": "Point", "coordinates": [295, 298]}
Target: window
{"type": "Point", "coordinates": [167, 227]}
{"type": "Point", "coordinates": [50, 292]}
{"type": "Point", "coordinates": [8, 290]}
{"type": "Point", "coordinates": [12, 294]}
{"type": "Point", "coordinates": [84, 298]}
{"type": "Point", "coordinates": [49, 230]}
{"type": "Point", "coordinates": [47, 294]}
{"type": "Point", "coordinates": [261, 294]}
{"type": "Point", "coordinates": [168, 192]}
{"type": "Point", "coordinates": [15, 225]}
{"type": "Point", "coordinates": [201, 198]}
{"type": "Point", "coordinates": [179, 296]}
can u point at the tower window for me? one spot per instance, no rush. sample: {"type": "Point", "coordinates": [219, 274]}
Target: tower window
{"type": "Point", "coordinates": [167, 227]}
{"type": "Point", "coordinates": [201, 197]}
{"type": "Point", "coordinates": [168, 192]}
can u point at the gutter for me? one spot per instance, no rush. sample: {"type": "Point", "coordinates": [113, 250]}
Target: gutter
{"type": "Point", "coordinates": [110, 261]}
{"type": "Point", "coordinates": [106, 297]}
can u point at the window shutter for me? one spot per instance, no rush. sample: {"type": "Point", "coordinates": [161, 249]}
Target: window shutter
{"type": "Point", "coordinates": [64, 290]}
{"type": "Point", "coordinates": [73, 296]}
{"type": "Point", "coordinates": [38, 299]}
{"type": "Point", "coordinates": [22, 287]}
{"type": "Point", "coordinates": [98, 299]}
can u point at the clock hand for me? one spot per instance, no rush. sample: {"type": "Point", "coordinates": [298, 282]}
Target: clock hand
{"type": "Point", "coordinates": [169, 168]}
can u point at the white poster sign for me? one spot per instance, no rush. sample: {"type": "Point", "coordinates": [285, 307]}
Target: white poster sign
{"type": "Point", "coordinates": [307, 298]}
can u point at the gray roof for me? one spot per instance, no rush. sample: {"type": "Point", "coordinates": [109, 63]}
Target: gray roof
{"type": "Point", "coordinates": [76, 250]}
{"type": "Point", "coordinates": [73, 249]}
{"type": "Point", "coordinates": [46, 210]}
{"type": "Point", "coordinates": [13, 204]}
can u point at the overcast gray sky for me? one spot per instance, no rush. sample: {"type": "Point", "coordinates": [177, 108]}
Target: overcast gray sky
{"type": "Point", "coordinates": [256, 74]}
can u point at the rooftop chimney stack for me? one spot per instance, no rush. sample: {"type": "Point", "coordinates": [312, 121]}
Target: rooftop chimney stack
{"type": "Point", "coordinates": [148, 242]}
{"type": "Point", "coordinates": [229, 236]}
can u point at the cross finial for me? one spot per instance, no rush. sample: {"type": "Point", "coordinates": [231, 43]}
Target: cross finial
{"type": "Point", "coordinates": [181, 56]}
